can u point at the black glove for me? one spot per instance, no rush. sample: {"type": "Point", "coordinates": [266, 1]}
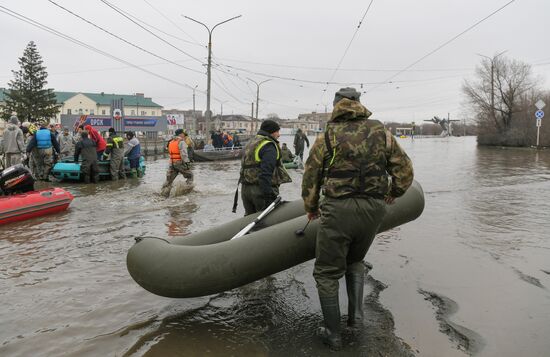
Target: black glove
{"type": "Point", "coordinates": [268, 198]}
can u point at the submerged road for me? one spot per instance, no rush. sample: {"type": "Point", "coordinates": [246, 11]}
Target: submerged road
{"type": "Point", "coordinates": [469, 277]}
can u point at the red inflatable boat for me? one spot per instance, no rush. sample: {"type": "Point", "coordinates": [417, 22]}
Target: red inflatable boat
{"type": "Point", "coordinates": [33, 204]}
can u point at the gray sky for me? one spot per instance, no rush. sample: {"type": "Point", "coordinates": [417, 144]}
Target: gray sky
{"type": "Point", "coordinates": [303, 40]}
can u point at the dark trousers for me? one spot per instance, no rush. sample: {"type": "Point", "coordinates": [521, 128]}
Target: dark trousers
{"type": "Point", "coordinates": [90, 171]}
{"type": "Point", "coordinates": [347, 229]}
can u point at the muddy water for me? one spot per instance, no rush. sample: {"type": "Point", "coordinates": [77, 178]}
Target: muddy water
{"type": "Point", "coordinates": [471, 276]}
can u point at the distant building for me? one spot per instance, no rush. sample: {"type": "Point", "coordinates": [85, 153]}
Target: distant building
{"type": "Point", "coordinates": [235, 122]}
{"type": "Point", "coordinates": [100, 104]}
{"type": "Point", "coordinates": [310, 123]}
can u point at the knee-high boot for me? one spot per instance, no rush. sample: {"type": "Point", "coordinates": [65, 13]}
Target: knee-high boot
{"type": "Point", "coordinates": [355, 280]}
{"type": "Point", "coordinates": [330, 334]}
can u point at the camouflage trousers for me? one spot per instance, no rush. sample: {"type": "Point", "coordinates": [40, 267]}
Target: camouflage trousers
{"type": "Point", "coordinates": [173, 171]}
{"type": "Point", "coordinates": [13, 159]}
{"type": "Point", "coordinates": [44, 162]}
{"type": "Point", "coordinates": [253, 198]}
{"type": "Point", "coordinates": [347, 229]}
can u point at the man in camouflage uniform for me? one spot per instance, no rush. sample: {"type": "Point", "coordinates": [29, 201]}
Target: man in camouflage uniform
{"type": "Point", "coordinates": [179, 162]}
{"type": "Point", "coordinates": [359, 165]}
{"type": "Point", "coordinates": [262, 170]}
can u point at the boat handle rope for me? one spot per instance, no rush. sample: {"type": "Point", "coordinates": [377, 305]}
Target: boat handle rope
{"type": "Point", "coordinates": [139, 239]}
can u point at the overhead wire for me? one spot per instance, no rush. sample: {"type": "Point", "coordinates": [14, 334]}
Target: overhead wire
{"type": "Point", "coordinates": [123, 39]}
{"type": "Point", "coordinates": [443, 45]}
{"type": "Point", "coordinates": [347, 49]}
{"type": "Point", "coordinates": [55, 32]}
{"type": "Point", "coordinates": [118, 10]}
{"type": "Point", "coordinates": [172, 22]}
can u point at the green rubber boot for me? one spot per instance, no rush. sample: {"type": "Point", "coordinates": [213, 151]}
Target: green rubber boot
{"type": "Point", "coordinates": [330, 333]}
{"type": "Point", "coordinates": [355, 281]}
{"type": "Point", "coordinates": [133, 173]}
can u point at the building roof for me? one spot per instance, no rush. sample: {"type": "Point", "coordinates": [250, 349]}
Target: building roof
{"type": "Point", "coordinates": [234, 117]}
{"type": "Point", "coordinates": [100, 98]}
{"type": "Point", "coordinates": [106, 99]}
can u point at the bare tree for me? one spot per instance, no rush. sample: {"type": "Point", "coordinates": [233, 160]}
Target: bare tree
{"type": "Point", "coordinates": [495, 96]}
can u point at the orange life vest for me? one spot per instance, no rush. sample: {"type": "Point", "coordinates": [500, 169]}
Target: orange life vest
{"type": "Point", "coordinates": [174, 150]}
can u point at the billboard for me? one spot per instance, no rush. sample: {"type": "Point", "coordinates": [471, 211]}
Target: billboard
{"type": "Point", "coordinates": [103, 122]}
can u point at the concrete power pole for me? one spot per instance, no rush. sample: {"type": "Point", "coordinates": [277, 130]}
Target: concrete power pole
{"type": "Point", "coordinates": [208, 113]}
{"type": "Point", "coordinates": [258, 93]}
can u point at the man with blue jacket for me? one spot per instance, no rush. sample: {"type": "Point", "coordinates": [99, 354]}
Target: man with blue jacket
{"type": "Point", "coordinates": [45, 143]}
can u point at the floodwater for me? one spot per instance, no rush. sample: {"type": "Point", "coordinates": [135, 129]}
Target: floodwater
{"type": "Point", "coordinates": [471, 276]}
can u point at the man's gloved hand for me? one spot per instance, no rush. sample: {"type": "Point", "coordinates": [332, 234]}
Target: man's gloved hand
{"type": "Point", "coordinates": [268, 198]}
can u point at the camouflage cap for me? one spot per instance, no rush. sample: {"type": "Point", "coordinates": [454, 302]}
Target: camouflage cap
{"type": "Point", "coordinates": [348, 92]}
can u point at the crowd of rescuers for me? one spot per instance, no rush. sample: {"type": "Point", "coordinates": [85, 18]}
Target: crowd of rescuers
{"type": "Point", "coordinates": [223, 139]}
{"type": "Point", "coordinates": [40, 145]}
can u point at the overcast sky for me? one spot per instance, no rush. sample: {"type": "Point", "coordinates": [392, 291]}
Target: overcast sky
{"type": "Point", "coordinates": [297, 44]}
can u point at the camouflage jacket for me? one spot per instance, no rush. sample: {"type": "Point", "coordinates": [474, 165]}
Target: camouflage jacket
{"type": "Point", "coordinates": [258, 168]}
{"type": "Point", "coordinates": [355, 157]}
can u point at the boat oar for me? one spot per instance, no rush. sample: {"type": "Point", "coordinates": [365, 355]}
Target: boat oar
{"type": "Point", "coordinates": [269, 208]}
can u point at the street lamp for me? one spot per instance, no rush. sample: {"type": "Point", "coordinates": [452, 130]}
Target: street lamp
{"type": "Point", "coordinates": [258, 92]}
{"type": "Point", "coordinates": [194, 115]}
{"type": "Point", "coordinates": [208, 68]}
{"type": "Point", "coordinates": [492, 82]}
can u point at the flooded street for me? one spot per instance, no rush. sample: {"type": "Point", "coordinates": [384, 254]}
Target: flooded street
{"type": "Point", "coordinates": [471, 276]}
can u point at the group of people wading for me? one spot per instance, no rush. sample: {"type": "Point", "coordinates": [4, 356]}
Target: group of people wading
{"type": "Point", "coordinates": [360, 168]}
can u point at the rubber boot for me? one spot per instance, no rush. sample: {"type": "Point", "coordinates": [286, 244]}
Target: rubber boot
{"type": "Point", "coordinates": [354, 286]}
{"type": "Point", "coordinates": [330, 333]}
{"type": "Point", "coordinates": [355, 281]}
{"type": "Point", "coordinates": [139, 172]}
{"type": "Point", "coordinates": [133, 173]}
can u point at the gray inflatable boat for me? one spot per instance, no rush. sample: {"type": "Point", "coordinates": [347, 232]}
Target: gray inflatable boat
{"type": "Point", "coordinates": [210, 262]}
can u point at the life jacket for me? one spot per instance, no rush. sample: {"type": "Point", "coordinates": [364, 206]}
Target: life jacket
{"type": "Point", "coordinates": [43, 139]}
{"type": "Point", "coordinates": [174, 150]}
{"type": "Point", "coordinates": [356, 164]}
{"type": "Point", "coordinates": [250, 165]}
{"type": "Point", "coordinates": [116, 142]}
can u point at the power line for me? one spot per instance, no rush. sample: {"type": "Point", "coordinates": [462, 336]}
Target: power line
{"type": "Point", "coordinates": [152, 33]}
{"type": "Point", "coordinates": [444, 44]}
{"type": "Point", "coordinates": [83, 44]}
{"type": "Point", "coordinates": [123, 39]}
{"type": "Point", "coordinates": [349, 44]}
{"type": "Point", "coordinates": [345, 69]}
{"type": "Point", "coordinates": [159, 30]}
{"type": "Point", "coordinates": [172, 22]}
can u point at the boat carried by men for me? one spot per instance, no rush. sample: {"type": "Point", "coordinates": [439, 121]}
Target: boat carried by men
{"type": "Point", "coordinates": [211, 262]}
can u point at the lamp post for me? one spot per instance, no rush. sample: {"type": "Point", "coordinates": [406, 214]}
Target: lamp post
{"type": "Point", "coordinates": [258, 92]}
{"type": "Point", "coordinates": [492, 59]}
{"type": "Point", "coordinates": [194, 115]}
{"type": "Point", "coordinates": [208, 113]}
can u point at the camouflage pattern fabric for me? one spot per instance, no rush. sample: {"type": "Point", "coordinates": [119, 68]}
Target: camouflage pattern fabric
{"type": "Point", "coordinates": [250, 168]}
{"type": "Point", "coordinates": [361, 156]}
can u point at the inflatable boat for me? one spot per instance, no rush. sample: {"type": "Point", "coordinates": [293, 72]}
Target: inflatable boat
{"type": "Point", "coordinates": [33, 204]}
{"type": "Point", "coordinates": [210, 262]}
{"type": "Point", "coordinates": [68, 170]}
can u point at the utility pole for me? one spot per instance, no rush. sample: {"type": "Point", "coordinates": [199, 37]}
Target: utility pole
{"type": "Point", "coordinates": [194, 115]}
{"type": "Point", "coordinates": [258, 92]}
{"type": "Point", "coordinates": [208, 113]}
{"type": "Point", "coordinates": [252, 114]}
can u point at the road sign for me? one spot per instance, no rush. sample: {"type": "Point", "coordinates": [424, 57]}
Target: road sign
{"type": "Point", "coordinates": [539, 122]}
{"type": "Point", "coordinates": [540, 104]}
{"type": "Point", "coordinates": [539, 114]}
